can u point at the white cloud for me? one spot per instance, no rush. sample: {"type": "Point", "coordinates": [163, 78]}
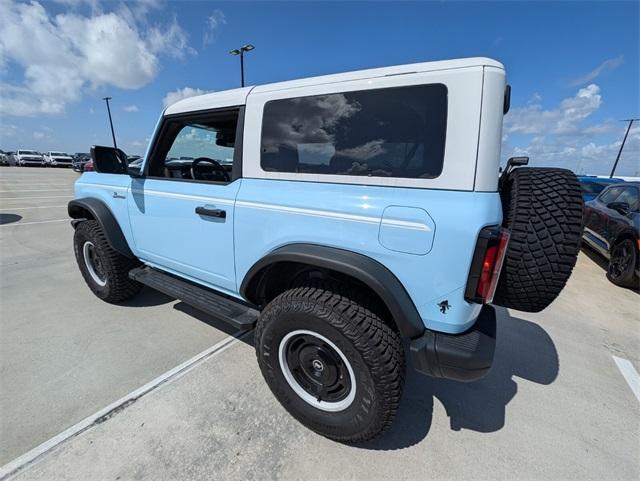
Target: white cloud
{"type": "Point", "coordinates": [130, 108]}
{"type": "Point", "coordinates": [559, 137]}
{"type": "Point", "coordinates": [7, 130]}
{"type": "Point", "coordinates": [607, 65]}
{"type": "Point", "coordinates": [176, 95]}
{"type": "Point", "coordinates": [169, 40]}
{"type": "Point", "coordinates": [213, 25]}
{"type": "Point", "coordinates": [65, 55]}
{"type": "Point", "coordinates": [564, 119]}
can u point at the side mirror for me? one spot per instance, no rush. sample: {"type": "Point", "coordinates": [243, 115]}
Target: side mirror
{"type": "Point", "coordinates": [109, 160]}
{"type": "Point", "coordinates": [621, 207]}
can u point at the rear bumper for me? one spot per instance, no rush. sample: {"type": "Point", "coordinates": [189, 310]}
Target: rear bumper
{"type": "Point", "coordinates": [461, 357]}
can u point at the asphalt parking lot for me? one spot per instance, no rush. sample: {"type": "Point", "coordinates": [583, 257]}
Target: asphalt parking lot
{"type": "Point", "coordinates": [555, 405]}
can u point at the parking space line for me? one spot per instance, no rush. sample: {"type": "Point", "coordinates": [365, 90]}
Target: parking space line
{"type": "Point", "coordinates": [630, 375]}
{"type": "Point", "coordinates": [28, 198]}
{"type": "Point", "coordinates": [36, 207]}
{"type": "Point", "coordinates": [15, 224]}
{"type": "Point", "coordinates": [48, 184]}
{"type": "Point", "coordinates": [103, 414]}
{"type": "Point", "coordinates": [33, 190]}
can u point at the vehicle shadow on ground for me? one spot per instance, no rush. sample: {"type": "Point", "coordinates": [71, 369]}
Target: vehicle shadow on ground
{"type": "Point", "coordinates": [9, 218]}
{"type": "Point", "coordinates": [148, 297]}
{"type": "Point", "coordinates": [523, 349]}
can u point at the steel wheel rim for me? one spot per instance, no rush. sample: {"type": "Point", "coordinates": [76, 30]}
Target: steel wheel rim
{"type": "Point", "coordinates": [328, 363]}
{"type": "Point", "coordinates": [94, 263]}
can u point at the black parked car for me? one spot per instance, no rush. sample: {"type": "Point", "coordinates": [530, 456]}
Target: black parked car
{"type": "Point", "coordinates": [612, 227]}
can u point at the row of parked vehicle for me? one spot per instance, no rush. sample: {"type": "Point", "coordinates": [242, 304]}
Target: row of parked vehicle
{"type": "Point", "coordinates": [52, 158]}
{"type": "Point", "coordinates": [612, 226]}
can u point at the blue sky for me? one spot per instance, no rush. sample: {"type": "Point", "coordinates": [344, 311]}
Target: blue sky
{"type": "Point", "coordinates": [573, 66]}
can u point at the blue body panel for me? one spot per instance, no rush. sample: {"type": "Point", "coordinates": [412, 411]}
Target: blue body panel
{"type": "Point", "coordinates": [425, 237]}
{"type": "Point", "coordinates": [270, 214]}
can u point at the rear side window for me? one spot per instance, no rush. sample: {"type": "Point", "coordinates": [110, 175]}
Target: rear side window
{"type": "Point", "coordinates": [394, 132]}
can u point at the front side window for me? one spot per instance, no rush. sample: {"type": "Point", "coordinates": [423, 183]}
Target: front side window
{"type": "Point", "coordinates": [393, 132]}
{"type": "Point", "coordinates": [610, 195]}
{"type": "Point", "coordinates": [199, 148]}
{"type": "Point", "coordinates": [629, 195]}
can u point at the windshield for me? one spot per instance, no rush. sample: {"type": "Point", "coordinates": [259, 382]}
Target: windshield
{"type": "Point", "coordinates": [28, 152]}
{"type": "Point", "coordinates": [60, 154]}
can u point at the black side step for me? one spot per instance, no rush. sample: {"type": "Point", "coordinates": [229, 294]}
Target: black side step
{"type": "Point", "coordinates": [206, 300]}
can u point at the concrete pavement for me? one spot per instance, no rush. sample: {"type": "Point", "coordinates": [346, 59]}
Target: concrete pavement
{"type": "Point", "coordinates": [554, 406]}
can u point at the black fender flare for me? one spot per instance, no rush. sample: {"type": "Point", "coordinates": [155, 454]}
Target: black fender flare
{"type": "Point", "coordinates": [367, 270]}
{"type": "Point", "coordinates": [98, 210]}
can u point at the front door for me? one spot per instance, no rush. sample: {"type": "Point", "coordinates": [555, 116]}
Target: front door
{"type": "Point", "coordinates": [182, 209]}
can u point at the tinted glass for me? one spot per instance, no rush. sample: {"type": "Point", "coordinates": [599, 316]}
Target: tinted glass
{"type": "Point", "coordinates": [592, 187]}
{"type": "Point", "coordinates": [630, 196]}
{"type": "Point", "coordinates": [395, 132]}
{"type": "Point", "coordinates": [610, 195]}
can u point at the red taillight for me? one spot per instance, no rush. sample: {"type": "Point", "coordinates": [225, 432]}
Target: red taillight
{"type": "Point", "coordinates": [88, 167]}
{"type": "Point", "coordinates": [486, 265]}
{"type": "Point", "coordinates": [491, 267]}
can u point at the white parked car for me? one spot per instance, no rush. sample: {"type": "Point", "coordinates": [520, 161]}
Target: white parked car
{"type": "Point", "coordinates": [29, 157]}
{"type": "Point", "coordinates": [58, 159]}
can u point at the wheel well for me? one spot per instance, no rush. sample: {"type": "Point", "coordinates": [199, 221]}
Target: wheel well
{"type": "Point", "coordinates": [79, 212]}
{"type": "Point", "coordinates": [623, 236]}
{"type": "Point", "coordinates": [278, 277]}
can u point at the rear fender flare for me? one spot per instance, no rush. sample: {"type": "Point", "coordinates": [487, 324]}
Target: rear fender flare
{"type": "Point", "coordinates": [365, 269]}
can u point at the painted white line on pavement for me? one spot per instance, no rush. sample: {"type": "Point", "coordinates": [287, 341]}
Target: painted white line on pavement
{"type": "Point", "coordinates": [28, 198]}
{"type": "Point", "coordinates": [17, 191]}
{"type": "Point", "coordinates": [37, 207]}
{"type": "Point", "coordinates": [102, 415]}
{"type": "Point", "coordinates": [14, 183]}
{"type": "Point", "coordinates": [630, 375]}
{"type": "Point", "coordinates": [15, 224]}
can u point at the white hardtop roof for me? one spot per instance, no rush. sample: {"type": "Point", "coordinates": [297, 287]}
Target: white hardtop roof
{"type": "Point", "coordinates": [228, 98]}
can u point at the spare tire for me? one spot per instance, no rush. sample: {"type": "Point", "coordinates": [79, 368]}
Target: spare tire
{"type": "Point", "coordinates": [543, 211]}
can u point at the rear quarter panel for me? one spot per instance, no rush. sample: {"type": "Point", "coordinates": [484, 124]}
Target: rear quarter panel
{"type": "Point", "coordinates": [271, 214]}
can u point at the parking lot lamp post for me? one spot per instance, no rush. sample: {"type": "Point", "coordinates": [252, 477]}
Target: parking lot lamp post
{"type": "Point", "coordinates": [615, 164]}
{"type": "Point", "coordinates": [106, 99]}
{"type": "Point", "coordinates": [240, 51]}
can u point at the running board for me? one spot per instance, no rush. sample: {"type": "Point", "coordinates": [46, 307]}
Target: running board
{"type": "Point", "coordinates": [203, 299]}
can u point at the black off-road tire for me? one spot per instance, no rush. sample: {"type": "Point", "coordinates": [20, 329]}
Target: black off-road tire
{"type": "Point", "coordinates": [543, 210]}
{"type": "Point", "coordinates": [116, 267]}
{"type": "Point", "coordinates": [374, 350]}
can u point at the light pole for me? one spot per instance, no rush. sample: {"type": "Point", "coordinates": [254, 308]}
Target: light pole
{"type": "Point", "coordinates": [106, 99]}
{"type": "Point", "coordinates": [615, 164]}
{"type": "Point", "coordinates": [240, 51]}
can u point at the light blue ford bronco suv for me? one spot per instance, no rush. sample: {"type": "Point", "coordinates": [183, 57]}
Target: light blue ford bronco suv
{"type": "Point", "coordinates": [353, 219]}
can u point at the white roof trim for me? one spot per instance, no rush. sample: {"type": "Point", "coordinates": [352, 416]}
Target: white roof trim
{"type": "Point", "coordinates": [227, 98]}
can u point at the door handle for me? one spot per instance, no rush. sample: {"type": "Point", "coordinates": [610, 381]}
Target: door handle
{"type": "Point", "coordinates": [219, 213]}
